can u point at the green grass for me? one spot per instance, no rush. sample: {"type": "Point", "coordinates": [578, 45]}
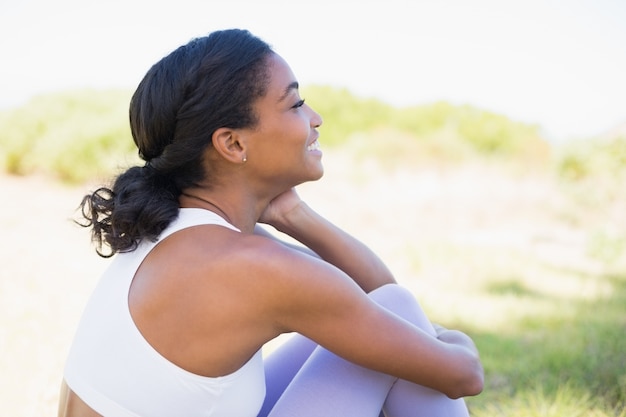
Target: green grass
{"type": "Point", "coordinates": [552, 338]}
{"type": "Point", "coordinates": [536, 402]}
{"type": "Point", "coordinates": [573, 359]}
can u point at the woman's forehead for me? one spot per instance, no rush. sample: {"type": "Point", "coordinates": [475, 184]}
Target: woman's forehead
{"type": "Point", "coordinates": [282, 79]}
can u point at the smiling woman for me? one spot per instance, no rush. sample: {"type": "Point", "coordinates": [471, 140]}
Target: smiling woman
{"type": "Point", "coordinates": [196, 287]}
{"type": "Point", "coordinates": [280, 149]}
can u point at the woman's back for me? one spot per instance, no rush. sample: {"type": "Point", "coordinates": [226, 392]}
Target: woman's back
{"type": "Point", "coordinates": [111, 354]}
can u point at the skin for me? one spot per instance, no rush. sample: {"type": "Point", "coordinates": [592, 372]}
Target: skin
{"type": "Point", "coordinates": [207, 298]}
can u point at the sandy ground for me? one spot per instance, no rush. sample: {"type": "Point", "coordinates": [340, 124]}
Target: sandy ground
{"type": "Point", "coordinates": [48, 267]}
{"type": "Point", "coordinates": [47, 272]}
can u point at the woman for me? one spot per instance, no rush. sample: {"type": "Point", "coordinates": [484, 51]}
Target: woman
{"type": "Point", "coordinates": [176, 324]}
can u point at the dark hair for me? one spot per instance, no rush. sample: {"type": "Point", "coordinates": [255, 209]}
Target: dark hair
{"type": "Point", "coordinates": [209, 83]}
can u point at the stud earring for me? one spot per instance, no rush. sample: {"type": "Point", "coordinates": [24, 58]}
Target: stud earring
{"type": "Point", "coordinates": [245, 159]}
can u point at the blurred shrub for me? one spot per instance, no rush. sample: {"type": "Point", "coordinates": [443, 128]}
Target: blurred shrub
{"type": "Point", "coordinates": [393, 148]}
{"type": "Point", "coordinates": [593, 174]}
{"type": "Point", "coordinates": [466, 127]}
{"type": "Point", "coordinates": [73, 135]}
{"type": "Point", "coordinates": [487, 132]}
{"type": "Point", "coordinates": [345, 114]}
{"type": "Point", "coordinates": [598, 157]}
{"type": "Point", "coordinates": [422, 120]}
{"type": "Point", "coordinates": [80, 135]}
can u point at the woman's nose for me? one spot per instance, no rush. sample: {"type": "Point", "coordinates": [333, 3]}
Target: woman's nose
{"type": "Point", "coordinates": [316, 119]}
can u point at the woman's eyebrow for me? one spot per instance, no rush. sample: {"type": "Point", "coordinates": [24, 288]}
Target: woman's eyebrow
{"type": "Point", "coordinates": [293, 86]}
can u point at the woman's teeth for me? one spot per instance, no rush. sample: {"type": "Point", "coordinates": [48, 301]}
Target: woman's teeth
{"type": "Point", "coordinates": [313, 147]}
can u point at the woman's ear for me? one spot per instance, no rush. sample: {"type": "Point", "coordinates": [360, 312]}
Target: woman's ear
{"type": "Point", "coordinates": [230, 144]}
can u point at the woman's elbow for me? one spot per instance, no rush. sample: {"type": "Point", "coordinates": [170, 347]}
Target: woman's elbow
{"type": "Point", "coordinates": [470, 384]}
{"type": "Point", "coordinates": [474, 386]}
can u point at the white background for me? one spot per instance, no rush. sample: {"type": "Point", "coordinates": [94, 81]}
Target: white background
{"type": "Point", "coordinates": [560, 64]}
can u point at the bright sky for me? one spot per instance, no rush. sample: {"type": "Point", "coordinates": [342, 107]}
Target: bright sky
{"type": "Point", "coordinates": [560, 64]}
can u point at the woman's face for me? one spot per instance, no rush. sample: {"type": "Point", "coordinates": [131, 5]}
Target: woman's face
{"type": "Point", "coordinates": [283, 148]}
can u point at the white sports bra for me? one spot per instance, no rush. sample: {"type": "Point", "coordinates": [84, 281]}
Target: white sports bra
{"type": "Point", "coordinates": [113, 369]}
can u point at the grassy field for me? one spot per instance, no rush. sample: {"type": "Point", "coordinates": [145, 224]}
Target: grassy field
{"type": "Point", "coordinates": [533, 271]}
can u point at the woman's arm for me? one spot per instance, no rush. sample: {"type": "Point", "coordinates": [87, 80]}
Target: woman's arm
{"type": "Point", "coordinates": [302, 294]}
{"type": "Point", "coordinates": [290, 215]}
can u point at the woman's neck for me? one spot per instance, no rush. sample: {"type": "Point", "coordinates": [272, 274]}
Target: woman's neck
{"type": "Point", "coordinates": [208, 205]}
{"type": "Point", "coordinates": [235, 211]}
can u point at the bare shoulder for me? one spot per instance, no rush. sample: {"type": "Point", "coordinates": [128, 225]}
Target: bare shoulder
{"type": "Point", "coordinates": [280, 280]}
{"type": "Point", "coordinates": [286, 281]}
{"type": "Point", "coordinates": [227, 262]}
{"type": "Point", "coordinates": [248, 255]}
{"type": "Point", "coordinates": [265, 283]}
{"type": "Point", "coordinates": [302, 292]}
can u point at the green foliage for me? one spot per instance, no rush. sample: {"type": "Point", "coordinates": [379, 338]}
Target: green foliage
{"type": "Point", "coordinates": [422, 120]}
{"type": "Point", "coordinates": [393, 148]}
{"type": "Point", "coordinates": [491, 132]}
{"type": "Point", "coordinates": [75, 135]}
{"type": "Point", "coordinates": [345, 114]}
{"type": "Point", "coordinates": [593, 174]}
{"type": "Point", "coordinates": [466, 130]}
{"type": "Point", "coordinates": [485, 131]}
{"type": "Point", "coordinates": [599, 157]}
{"type": "Point", "coordinates": [80, 135]}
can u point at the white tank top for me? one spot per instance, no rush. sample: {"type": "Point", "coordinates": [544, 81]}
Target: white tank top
{"type": "Point", "coordinates": [113, 369]}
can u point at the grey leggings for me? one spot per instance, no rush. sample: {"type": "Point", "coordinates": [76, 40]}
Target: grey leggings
{"type": "Point", "coordinates": [306, 380]}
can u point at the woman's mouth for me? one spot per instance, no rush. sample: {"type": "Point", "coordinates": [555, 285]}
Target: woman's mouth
{"type": "Point", "coordinates": [314, 146]}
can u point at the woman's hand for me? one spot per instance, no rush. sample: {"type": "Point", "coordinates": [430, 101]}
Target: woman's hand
{"type": "Point", "coordinates": [278, 209]}
{"type": "Point", "coordinates": [454, 337]}
{"type": "Point", "coordinates": [288, 214]}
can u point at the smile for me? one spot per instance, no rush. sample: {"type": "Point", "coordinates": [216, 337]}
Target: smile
{"type": "Point", "coordinates": [313, 147]}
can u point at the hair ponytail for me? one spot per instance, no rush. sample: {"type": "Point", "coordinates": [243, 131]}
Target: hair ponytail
{"type": "Point", "coordinates": [139, 206]}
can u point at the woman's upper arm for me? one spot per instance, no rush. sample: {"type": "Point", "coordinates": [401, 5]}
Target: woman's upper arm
{"type": "Point", "coordinates": [316, 299]}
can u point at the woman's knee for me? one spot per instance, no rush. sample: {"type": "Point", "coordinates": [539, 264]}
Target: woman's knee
{"type": "Point", "coordinates": [400, 301]}
{"type": "Point", "coordinates": [390, 295]}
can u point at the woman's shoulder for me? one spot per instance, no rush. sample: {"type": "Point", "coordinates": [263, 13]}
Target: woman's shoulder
{"type": "Point", "coordinates": [209, 245]}
{"type": "Point", "coordinates": [287, 274]}
{"type": "Point", "coordinates": [211, 255]}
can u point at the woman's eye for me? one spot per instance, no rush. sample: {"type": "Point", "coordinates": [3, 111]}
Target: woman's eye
{"type": "Point", "coordinates": [300, 103]}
